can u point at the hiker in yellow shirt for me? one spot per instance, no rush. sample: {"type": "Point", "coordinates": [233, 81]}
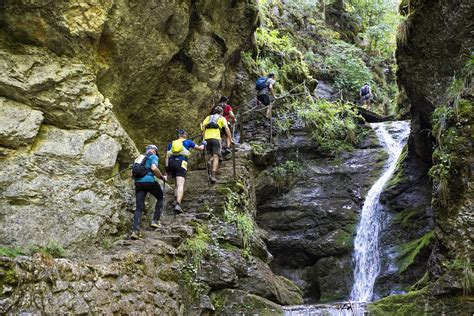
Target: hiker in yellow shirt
{"type": "Point", "coordinates": [211, 126]}
{"type": "Point", "coordinates": [177, 164]}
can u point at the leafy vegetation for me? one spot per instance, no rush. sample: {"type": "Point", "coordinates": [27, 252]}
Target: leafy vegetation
{"type": "Point", "coordinates": [198, 245]}
{"type": "Point", "coordinates": [300, 43]}
{"type": "Point", "coordinates": [12, 252]}
{"type": "Point", "coordinates": [350, 70]}
{"type": "Point", "coordinates": [452, 131]}
{"type": "Point", "coordinates": [284, 174]}
{"type": "Point", "coordinates": [333, 125]}
{"type": "Point", "coordinates": [236, 212]}
{"type": "Point", "coordinates": [463, 265]}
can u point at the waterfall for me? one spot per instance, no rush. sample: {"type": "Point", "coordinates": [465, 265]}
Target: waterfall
{"type": "Point", "coordinates": [366, 253]}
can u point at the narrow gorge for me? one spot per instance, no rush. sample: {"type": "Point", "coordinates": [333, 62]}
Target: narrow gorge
{"type": "Point", "coordinates": [327, 207]}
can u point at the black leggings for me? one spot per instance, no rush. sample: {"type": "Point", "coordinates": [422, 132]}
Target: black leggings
{"type": "Point", "coordinates": [141, 190]}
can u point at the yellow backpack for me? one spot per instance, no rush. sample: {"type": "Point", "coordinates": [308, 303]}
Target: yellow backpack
{"type": "Point", "coordinates": [177, 147]}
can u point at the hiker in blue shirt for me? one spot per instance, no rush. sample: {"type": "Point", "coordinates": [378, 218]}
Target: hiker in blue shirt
{"type": "Point", "coordinates": [177, 164]}
{"type": "Point", "coordinates": [147, 184]}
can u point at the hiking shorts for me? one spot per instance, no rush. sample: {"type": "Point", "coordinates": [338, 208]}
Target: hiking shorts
{"type": "Point", "coordinates": [366, 97]}
{"type": "Point", "coordinates": [264, 98]}
{"type": "Point", "coordinates": [178, 167]}
{"type": "Point", "coordinates": [213, 146]}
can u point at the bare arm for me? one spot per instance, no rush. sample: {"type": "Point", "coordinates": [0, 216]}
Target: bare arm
{"type": "Point", "coordinates": [229, 135]}
{"type": "Point", "coordinates": [270, 87]}
{"type": "Point", "coordinates": [167, 159]}
{"type": "Point", "coordinates": [157, 172]}
{"type": "Point", "coordinates": [232, 116]}
{"type": "Point", "coordinates": [200, 147]}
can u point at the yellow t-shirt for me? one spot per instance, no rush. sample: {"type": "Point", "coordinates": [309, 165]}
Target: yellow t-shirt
{"type": "Point", "coordinates": [214, 133]}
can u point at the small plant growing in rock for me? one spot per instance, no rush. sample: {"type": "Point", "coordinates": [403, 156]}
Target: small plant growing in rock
{"type": "Point", "coordinates": [258, 149]}
{"type": "Point", "coordinates": [285, 174]}
{"type": "Point", "coordinates": [53, 249]}
{"type": "Point", "coordinates": [464, 266]}
{"type": "Point", "coordinates": [198, 246]}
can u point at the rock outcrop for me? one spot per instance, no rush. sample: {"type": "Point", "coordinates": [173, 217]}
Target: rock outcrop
{"type": "Point", "coordinates": [428, 67]}
{"type": "Point", "coordinates": [166, 272]}
{"type": "Point", "coordinates": [83, 85]}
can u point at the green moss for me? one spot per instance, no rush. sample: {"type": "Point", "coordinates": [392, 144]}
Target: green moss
{"type": "Point", "coordinates": [133, 263]}
{"type": "Point", "coordinates": [260, 149]}
{"type": "Point", "coordinates": [409, 251]}
{"type": "Point", "coordinates": [198, 246]}
{"type": "Point", "coordinates": [11, 252]}
{"type": "Point", "coordinates": [399, 174]}
{"type": "Point", "coordinates": [405, 217]}
{"type": "Point", "coordinates": [406, 304]}
{"type": "Point", "coordinates": [452, 129]}
{"type": "Point", "coordinates": [418, 303]}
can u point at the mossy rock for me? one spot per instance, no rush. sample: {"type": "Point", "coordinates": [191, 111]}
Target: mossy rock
{"type": "Point", "coordinates": [235, 302]}
{"type": "Point", "coordinates": [421, 303]}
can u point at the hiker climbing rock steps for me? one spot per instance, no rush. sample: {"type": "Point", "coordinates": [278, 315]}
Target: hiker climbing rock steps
{"type": "Point", "coordinates": [144, 170]}
{"type": "Point", "coordinates": [230, 118]}
{"type": "Point", "coordinates": [264, 86]}
{"type": "Point", "coordinates": [365, 94]}
{"type": "Point", "coordinates": [211, 127]}
{"type": "Point", "coordinates": [177, 164]}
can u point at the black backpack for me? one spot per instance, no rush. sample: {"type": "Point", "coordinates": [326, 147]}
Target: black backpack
{"type": "Point", "coordinates": [213, 124]}
{"type": "Point", "coordinates": [138, 168]}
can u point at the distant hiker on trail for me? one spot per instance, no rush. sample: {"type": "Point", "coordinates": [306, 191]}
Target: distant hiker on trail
{"type": "Point", "coordinates": [144, 170]}
{"type": "Point", "coordinates": [229, 116]}
{"type": "Point", "coordinates": [211, 127]}
{"type": "Point", "coordinates": [177, 164]}
{"type": "Point", "coordinates": [264, 85]}
{"type": "Point", "coordinates": [365, 95]}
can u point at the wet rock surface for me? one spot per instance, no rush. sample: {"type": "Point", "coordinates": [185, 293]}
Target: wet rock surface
{"type": "Point", "coordinates": [310, 225]}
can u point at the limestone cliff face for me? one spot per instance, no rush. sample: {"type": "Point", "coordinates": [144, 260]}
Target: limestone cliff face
{"type": "Point", "coordinates": [83, 84]}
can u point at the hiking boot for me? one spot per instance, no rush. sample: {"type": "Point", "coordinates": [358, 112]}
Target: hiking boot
{"type": "Point", "coordinates": [226, 151]}
{"type": "Point", "coordinates": [135, 235]}
{"type": "Point", "coordinates": [178, 208]}
{"type": "Point", "coordinates": [212, 178]}
{"type": "Point", "coordinates": [155, 224]}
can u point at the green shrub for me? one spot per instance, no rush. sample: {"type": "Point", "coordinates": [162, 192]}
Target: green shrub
{"type": "Point", "coordinates": [452, 131]}
{"type": "Point", "coordinates": [285, 173]}
{"type": "Point", "coordinates": [333, 126]}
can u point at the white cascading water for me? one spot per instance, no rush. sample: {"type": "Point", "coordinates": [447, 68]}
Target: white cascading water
{"type": "Point", "coordinates": [366, 252]}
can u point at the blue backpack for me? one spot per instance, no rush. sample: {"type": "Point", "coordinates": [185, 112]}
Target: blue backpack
{"type": "Point", "coordinates": [261, 83]}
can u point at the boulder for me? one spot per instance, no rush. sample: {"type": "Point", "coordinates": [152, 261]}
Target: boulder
{"type": "Point", "coordinates": [19, 124]}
